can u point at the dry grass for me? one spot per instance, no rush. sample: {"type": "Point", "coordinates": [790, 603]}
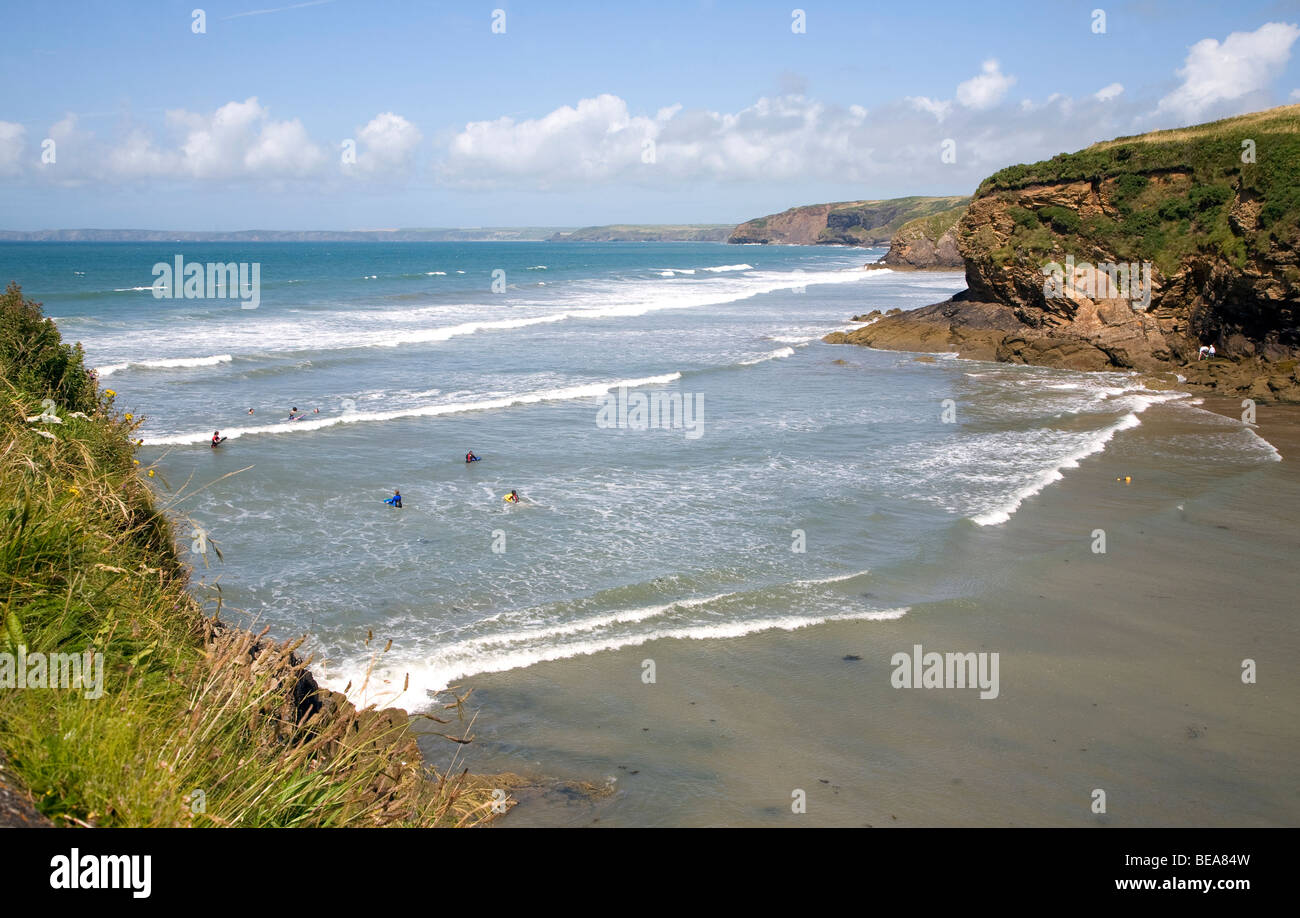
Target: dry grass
{"type": "Point", "coordinates": [1282, 120]}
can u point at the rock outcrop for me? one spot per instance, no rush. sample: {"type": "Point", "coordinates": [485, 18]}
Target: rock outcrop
{"type": "Point", "coordinates": [927, 243]}
{"type": "Point", "coordinates": [1132, 254]}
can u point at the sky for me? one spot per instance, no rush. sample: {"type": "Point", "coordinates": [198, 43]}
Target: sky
{"type": "Point", "coordinates": [349, 114]}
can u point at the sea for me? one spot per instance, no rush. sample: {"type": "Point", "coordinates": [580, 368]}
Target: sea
{"type": "Point", "coordinates": [693, 461]}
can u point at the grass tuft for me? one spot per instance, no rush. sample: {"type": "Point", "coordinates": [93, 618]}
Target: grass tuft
{"type": "Point", "coordinates": [198, 724]}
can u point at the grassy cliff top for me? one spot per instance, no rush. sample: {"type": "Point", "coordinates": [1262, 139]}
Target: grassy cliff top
{"type": "Point", "coordinates": [845, 222]}
{"type": "Point", "coordinates": [1172, 192]}
{"type": "Point", "coordinates": [934, 225]}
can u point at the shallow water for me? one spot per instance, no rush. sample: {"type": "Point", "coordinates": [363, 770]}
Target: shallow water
{"type": "Point", "coordinates": [815, 491]}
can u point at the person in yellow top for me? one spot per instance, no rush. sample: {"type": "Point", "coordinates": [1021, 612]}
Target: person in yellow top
{"type": "Point", "coordinates": [512, 497]}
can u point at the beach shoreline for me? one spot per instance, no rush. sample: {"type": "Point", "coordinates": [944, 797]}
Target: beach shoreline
{"type": "Point", "coordinates": [1120, 672]}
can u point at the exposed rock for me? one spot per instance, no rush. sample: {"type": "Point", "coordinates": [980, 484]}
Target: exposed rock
{"type": "Point", "coordinates": [927, 243]}
{"type": "Point", "coordinates": [1220, 258]}
{"type": "Point", "coordinates": [845, 223]}
{"type": "Point", "coordinates": [16, 808]}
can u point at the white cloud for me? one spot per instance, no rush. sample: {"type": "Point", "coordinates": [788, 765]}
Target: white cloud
{"type": "Point", "coordinates": [594, 141]}
{"type": "Point", "coordinates": [388, 142]}
{"type": "Point", "coordinates": [986, 89]}
{"type": "Point", "coordinates": [982, 91]}
{"type": "Point", "coordinates": [1295, 94]}
{"type": "Point", "coordinates": [12, 142]}
{"type": "Point", "coordinates": [238, 140]}
{"type": "Point", "coordinates": [1106, 93]}
{"type": "Point", "coordinates": [136, 157]}
{"type": "Point", "coordinates": [241, 139]}
{"type": "Point", "coordinates": [76, 153]}
{"type": "Point", "coordinates": [789, 138]}
{"type": "Point", "coordinates": [940, 109]}
{"type": "Point", "coordinates": [1240, 67]}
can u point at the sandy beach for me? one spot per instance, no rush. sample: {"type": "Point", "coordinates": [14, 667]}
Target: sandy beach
{"type": "Point", "coordinates": [1119, 671]}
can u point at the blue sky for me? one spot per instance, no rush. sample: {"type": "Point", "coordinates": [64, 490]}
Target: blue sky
{"type": "Point", "coordinates": [582, 113]}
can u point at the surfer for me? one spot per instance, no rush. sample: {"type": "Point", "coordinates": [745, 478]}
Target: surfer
{"type": "Point", "coordinates": [470, 457]}
{"type": "Point", "coordinates": [511, 498]}
{"type": "Point", "coordinates": [250, 410]}
{"type": "Point", "coordinates": [395, 500]}
{"type": "Point", "coordinates": [217, 439]}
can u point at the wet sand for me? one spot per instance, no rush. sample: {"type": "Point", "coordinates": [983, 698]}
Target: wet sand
{"type": "Point", "coordinates": [1119, 671]}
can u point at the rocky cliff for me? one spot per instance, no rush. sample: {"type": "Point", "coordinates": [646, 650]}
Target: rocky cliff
{"type": "Point", "coordinates": [927, 243]}
{"type": "Point", "coordinates": [845, 223]}
{"type": "Point", "coordinates": [1132, 254]}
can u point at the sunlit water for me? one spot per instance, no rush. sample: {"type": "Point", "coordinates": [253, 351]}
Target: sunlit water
{"type": "Point", "coordinates": [809, 472]}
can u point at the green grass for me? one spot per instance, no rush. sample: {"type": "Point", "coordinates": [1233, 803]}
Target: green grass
{"type": "Point", "coordinates": [87, 562]}
{"type": "Point", "coordinates": [1173, 190]}
{"type": "Point", "coordinates": [865, 222]}
{"type": "Point", "coordinates": [933, 226]}
{"type": "Point", "coordinates": [859, 222]}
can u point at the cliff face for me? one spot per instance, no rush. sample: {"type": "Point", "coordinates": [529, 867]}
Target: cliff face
{"type": "Point", "coordinates": [1132, 254]}
{"type": "Point", "coordinates": [927, 243]}
{"type": "Point", "coordinates": [845, 223]}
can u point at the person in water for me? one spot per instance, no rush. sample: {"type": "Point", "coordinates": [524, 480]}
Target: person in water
{"type": "Point", "coordinates": [250, 410]}
{"type": "Point", "coordinates": [216, 438]}
{"type": "Point", "coordinates": [470, 457]}
{"type": "Point", "coordinates": [512, 497]}
{"type": "Point", "coordinates": [395, 500]}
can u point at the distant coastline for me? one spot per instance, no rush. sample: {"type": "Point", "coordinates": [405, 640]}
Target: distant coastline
{"type": "Point", "coordinates": [650, 232]}
{"type": "Point", "coordinates": [475, 234]}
